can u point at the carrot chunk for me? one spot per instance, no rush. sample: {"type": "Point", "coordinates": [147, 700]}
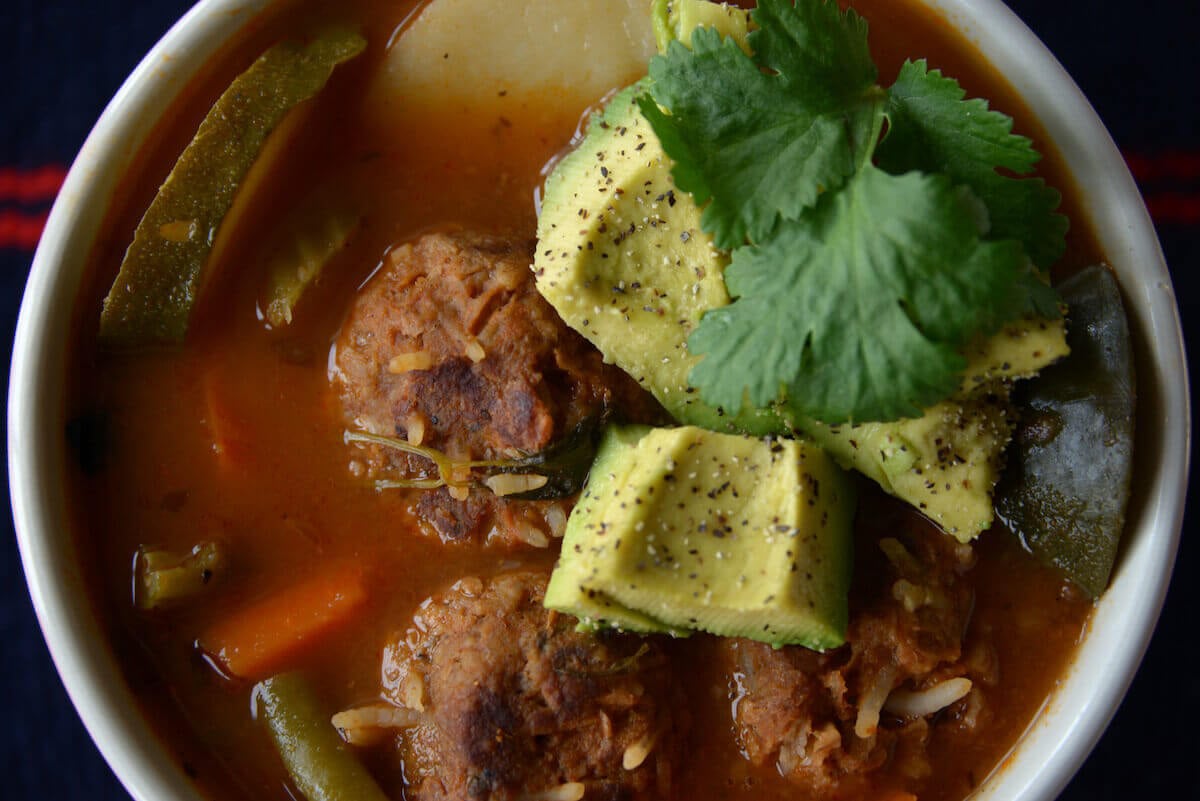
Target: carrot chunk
{"type": "Point", "coordinates": [230, 429]}
{"type": "Point", "coordinates": [897, 795]}
{"type": "Point", "coordinates": [264, 637]}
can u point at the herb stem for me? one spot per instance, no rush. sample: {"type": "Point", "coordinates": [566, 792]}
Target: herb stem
{"type": "Point", "coordinates": [877, 97]}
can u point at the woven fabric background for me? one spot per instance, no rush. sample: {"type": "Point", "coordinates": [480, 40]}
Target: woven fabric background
{"type": "Point", "coordinates": [62, 60]}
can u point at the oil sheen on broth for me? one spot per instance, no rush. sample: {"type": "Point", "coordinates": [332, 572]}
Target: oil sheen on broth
{"type": "Point", "coordinates": [238, 437]}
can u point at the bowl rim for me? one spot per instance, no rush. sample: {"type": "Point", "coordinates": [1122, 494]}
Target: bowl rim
{"type": "Point", "coordinates": [37, 446]}
{"type": "Point", "coordinates": [1122, 623]}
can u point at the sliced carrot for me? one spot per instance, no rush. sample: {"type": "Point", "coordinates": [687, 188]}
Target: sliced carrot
{"type": "Point", "coordinates": [897, 795]}
{"type": "Point", "coordinates": [265, 637]}
{"type": "Point", "coordinates": [232, 441]}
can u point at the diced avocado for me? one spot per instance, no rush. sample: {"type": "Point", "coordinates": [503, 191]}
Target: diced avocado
{"type": "Point", "coordinates": [677, 19]}
{"type": "Point", "coordinates": [1070, 468]}
{"type": "Point", "coordinates": [1018, 350]}
{"type": "Point", "coordinates": [947, 461]}
{"type": "Point", "coordinates": [694, 529]}
{"type": "Point", "coordinates": [622, 258]}
{"type": "Point", "coordinates": [151, 300]}
{"type": "Point", "coordinates": [566, 589]}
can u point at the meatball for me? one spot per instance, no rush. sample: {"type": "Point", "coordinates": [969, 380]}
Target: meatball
{"type": "Point", "coordinates": [450, 346]}
{"type": "Point", "coordinates": [517, 703]}
{"type": "Point", "coordinates": [827, 720]}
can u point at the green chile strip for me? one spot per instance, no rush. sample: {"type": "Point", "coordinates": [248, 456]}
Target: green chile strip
{"type": "Point", "coordinates": [1070, 467]}
{"type": "Point", "coordinates": [321, 765]}
{"type": "Point", "coordinates": [154, 292]}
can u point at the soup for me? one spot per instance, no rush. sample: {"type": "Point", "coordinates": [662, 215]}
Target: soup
{"type": "Point", "coordinates": [236, 439]}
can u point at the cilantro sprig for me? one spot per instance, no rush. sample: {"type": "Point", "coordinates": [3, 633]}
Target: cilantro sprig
{"type": "Point", "coordinates": [758, 144]}
{"type": "Point", "coordinates": [873, 231]}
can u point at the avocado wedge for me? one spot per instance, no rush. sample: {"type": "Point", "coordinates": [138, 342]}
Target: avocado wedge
{"type": "Point", "coordinates": [688, 529]}
{"type": "Point", "coordinates": [623, 260]}
{"type": "Point", "coordinates": [678, 19]}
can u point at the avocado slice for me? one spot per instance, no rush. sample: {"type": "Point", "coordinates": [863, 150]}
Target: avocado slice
{"type": "Point", "coordinates": [685, 528]}
{"type": "Point", "coordinates": [677, 19]}
{"type": "Point", "coordinates": [622, 258]}
{"type": "Point", "coordinates": [947, 461]}
{"type": "Point", "coordinates": [566, 590]}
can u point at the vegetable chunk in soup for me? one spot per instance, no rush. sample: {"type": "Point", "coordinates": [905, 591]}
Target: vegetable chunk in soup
{"type": "Point", "coordinates": [344, 492]}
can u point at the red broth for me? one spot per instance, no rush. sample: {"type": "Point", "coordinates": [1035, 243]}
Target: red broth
{"type": "Point", "coordinates": [237, 436]}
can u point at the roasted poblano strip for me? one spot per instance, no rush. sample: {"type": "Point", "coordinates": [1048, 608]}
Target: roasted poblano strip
{"type": "Point", "coordinates": [152, 298]}
{"type": "Point", "coordinates": [1067, 483]}
{"type": "Point", "coordinates": [315, 236]}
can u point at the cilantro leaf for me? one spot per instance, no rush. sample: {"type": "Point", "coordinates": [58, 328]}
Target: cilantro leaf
{"type": "Point", "coordinates": [933, 129]}
{"type": "Point", "coordinates": [860, 266]}
{"type": "Point", "coordinates": [759, 139]}
{"type": "Point", "coordinates": [856, 310]}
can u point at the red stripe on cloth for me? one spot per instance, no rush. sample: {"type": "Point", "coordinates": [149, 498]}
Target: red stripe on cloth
{"type": "Point", "coordinates": [1179, 208]}
{"type": "Point", "coordinates": [38, 185]}
{"type": "Point", "coordinates": [1169, 165]}
{"type": "Point", "coordinates": [21, 230]}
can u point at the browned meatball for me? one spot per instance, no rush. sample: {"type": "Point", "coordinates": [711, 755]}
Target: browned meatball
{"type": "Point", "coordinates": [517, 703]}
{"type": "Point", "coordinates": [827, 720]}
{"type": "Point", "coordinates": [450, 346]}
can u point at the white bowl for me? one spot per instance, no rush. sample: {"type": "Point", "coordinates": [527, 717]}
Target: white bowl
{"type": "Point", "coordinates": [1069, 725]}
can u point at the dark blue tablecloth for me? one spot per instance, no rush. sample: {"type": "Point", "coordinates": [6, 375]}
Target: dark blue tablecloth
{"type": "Point", "coordinates": [61, 60]}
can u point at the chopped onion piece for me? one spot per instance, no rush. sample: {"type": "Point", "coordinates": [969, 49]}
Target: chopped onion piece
{"type": "Point", "coordinates": [532, 535]}
{"type": "Point", "coordinates": [412, 690]}
{"type": "Point", "coordinates": [899, 556]}
{"type": "Point", "coordinates": [556, 519]}
{"type": "Point", "coordinates": [912, 596]}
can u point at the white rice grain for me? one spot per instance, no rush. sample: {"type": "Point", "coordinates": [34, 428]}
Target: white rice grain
{"type": "Point", "coordinates": [514, 483]}
{"type": "Point", "coordinates": [872, 701]}
{"type": "Point", "coordinates": [570, 791]}
{"type": "Point", "coordinates": [366, 725]}
{"type": "Point", "coordinates": [637, 753]}
{"type": "Point", "coordinates": [922, 703]}
{"type": "Point", "coordinates": [404, 362]}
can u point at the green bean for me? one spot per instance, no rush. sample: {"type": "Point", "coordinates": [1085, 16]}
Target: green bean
{"type": "Point", "coordinates": [320, 763]}
{"type": "Point", "coordinates": [166, 576]}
